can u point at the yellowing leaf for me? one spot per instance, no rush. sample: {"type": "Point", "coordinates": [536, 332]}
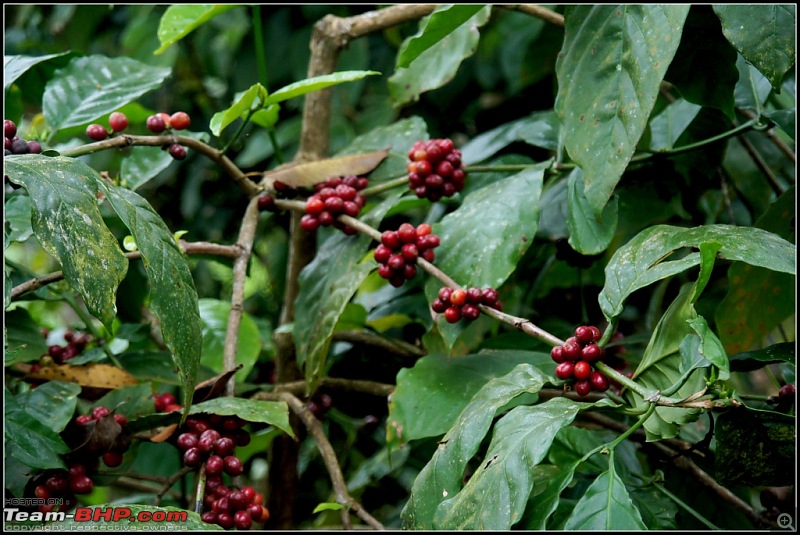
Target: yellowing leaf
{"type": "Point", "coordinates": [90, 375]}
{"type": "Point", "coordinates": [307, 174]}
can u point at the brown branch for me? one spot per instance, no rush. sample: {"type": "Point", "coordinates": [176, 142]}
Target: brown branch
{"type": "Point", "coordinates": [192, 248]}
{"type": "Point", "coordinates": [331, 462]}
{"type": "Point", "coordinates": [171, 480]}
{"type": "Point", "coordinates": [366, 338]}
{"type": "Point", "coordinates": [140, 486]}
{"type": "Point", "coordinates": [247, 234]}
{"type": "Point", "coordinates": [125, 140]}
{"type": "Point", "coordinates": [778, 142]}
{"type": "Point", "coordinates": [539, 12]}
{"type": "Point", "coordinates": [381, 390]}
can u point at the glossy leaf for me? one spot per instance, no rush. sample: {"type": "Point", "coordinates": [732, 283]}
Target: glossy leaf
{"type": "Point", "coordinates": [540, 129]}
{"type": "Point", "coordinates": [430, 396]}
{"type": "Point", "coordinates": [705, 73]}
{"type": "Point", "coordinates": [442, 476]}
{"type": "Point", "coordinates": [438, 64]}
{"type": "Point", "coordinates": [214, 316]}
{"type": "Point", "coordinates": [545, 503]}
{"type": "Point", "coordinates": [28, 440]}
{"type": "Point", "coordinates": [755, 360]}
{"type": "Point", "coordinates": [753, 88]}
{"type": "Point", "coordinates": [93, 86]}
{"type": "Point", "coordinates": [587, 234]}
{"type": "Point", "coordinates": [642, 260]}
{"type": "Point", "coordinates": [68, 224]}
{"type": "Point", "coordinates": [247, 101]}
{"type": "Point", "coordinates": [52, 404]}
{"type": "Point", "coordinates": [667, 126]}
{"type": "Point", "coordinates": [764, 34]}
{"type": "Point", "coordinates": [267, 412]}
{"type": "Point", "coordinates": [711, 347]}
{"type": "Point", "coordinates": [441, 23]}
{"type": "Point", "coordinates": [609, 73]}
{"type": "Point", "coordinates": [180, 20]}
{"type": "Point", "coordinates": [315, 84]}
{"type": "Point", "coordinates": [173, 297]}
{"type": "Point", "coordinates": [606, 506]}
{"type": "Point", "coordinates": [174, 519]}
{"type": "Point", "coordinates": [16, 66]}
{"type": "Point", "coordinates": [495, 496]}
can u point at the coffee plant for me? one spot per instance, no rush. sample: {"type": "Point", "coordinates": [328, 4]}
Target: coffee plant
{"type": "Point", "coordinates": [411, 267]}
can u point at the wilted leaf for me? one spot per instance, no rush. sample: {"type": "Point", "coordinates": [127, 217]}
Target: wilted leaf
{"type": "Point", "coordinates": [307, 174]}
{"type": "Point", "coordinates": [102, 376]}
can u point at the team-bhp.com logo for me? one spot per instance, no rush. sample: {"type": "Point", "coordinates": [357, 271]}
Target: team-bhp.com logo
{"type": "Point", "coordinates": [92, 514]}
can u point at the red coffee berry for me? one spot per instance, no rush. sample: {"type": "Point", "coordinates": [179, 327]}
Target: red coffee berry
{"type": "Point", "coordinates": [192, 457]}
{"type": "Point", "coordinates": [351, 208]}
{"type": "Point", "coordinates": [214, 465]}
{"type": "Point", "coordinates": [390, 239]}
{"type": "Point", "coordinates": [83, 419]}
{"type": "Point", "coordinates": [314, 205]}
{"type": "Point", "coordinates": [224, 446]}
{"type": "Point", "coordinates": [34, 147]}
{"type": "Point", "coordinates": [255, 511]}
{"type": "Point", "coordinates": [452, 314]}
{"type": "Point", "coordinates": [334, 205]}
{"type": "Point", "coordinates": [410, 252]}
{"type": "Point", "coordinates": [564, 370]}
{"type": "Point", "coordinates": [209, 517]}
{"type": "Point", "coordinates": [407, 233]}
{"type": "Point", "coordinates": [41, 492]}
{"type": "Point", "coordinates": [156, 124]}
{"type": "Point", "coordinates": [242, 520]}
{"type": "Point", "coordinates": [384, 271]}
{"type": "Point", "coordinates": [180, 120]}
{"type": "Point", "coordinates": [187, 441]}
{"type": "Point", "coordinates": [490, 297]}
{"type": "Point", "coordinates": [595, 333]}
{"type": "Point", "coordinates": [584, 334]}
{"type": "Point", "coordinates": [439, 306]}
{"type": "Point", "coordinates": [599, 382]}
{"type": "Point", "coordinates": [57, 484]}
{"type": "Point", "coordinates": [309, 223]}
{"type": "Point", "coordinates": [121, 419]}
{"type": "Point", "coordinates": [118, 121]}
{"type": "Point", "coordinates": [221, 505]}
{"type": "Point", "coordinates": [76, 470]}
{"type": "Point", "coordinates": [557, 354]}
{"type": "Point", "coordinates": [572, 350]}
{"type": "Point", "coordinates": [428, 255]}
{"type": "Point", "coordinates": [237, 500]}
{"type": "Point", "coordinates": [409, 272]}
{"type": "Point", "coordinates": [583, 387]}
{"type": "Point", "coordinates": [382, 254]}
{"type": "Point", "coordinates": [396, 262]}
{"type": "Point", "coordinates": [96, 132]}
{"type": "Point", "coordinates": [582, 370]}
{"type": "Point", "coordinates": [444, 294]}
{"type": "Point", "coordinates": [233, 466]}
{"type": "Point", "coordinates": [100, 412]}
{"type": "Point", "coordinates": [178, 152]}
{"type": "Point", "coordinates": [787, 391]}
{"type": "Point", "coordinates": [424, 229]}
{"type": "Point", "coordinates": [173, 408]}
{"type": "Point", "coordinates": [458, 297]}
{"type": "Point", "coordinates": [470, 312]}
{"type": "Point", "coordinates": [167, 398]}
{"type": "Point", "coordinates": [474, 296]}
{"type": "Point", "coordinates": [9, 128]}
{"type": "Point", "coordinates": [81, 485]}
{"type": "Point", "coordinates": [591, 353]}
{"type": "Point", "coordinates": [112, 458]}
{"type": "Point", "coordinates": [266, 202]}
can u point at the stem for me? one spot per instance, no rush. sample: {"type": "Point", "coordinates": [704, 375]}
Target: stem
{"type": "Point", "coordinates": [258, 38]}
{"type": "Point", "coordinates": [200, 489]}
{"type": "Point", "coordinates": [276, 147]}
{"type": "Point", "coordinates": [639, 423]}
{"type": "Point", "coordinates": [385, 186]}
{"type": "Point", "coordinates": [238, 132]}
{"type": "Point", "coordinates": [611, 373]}
{"type": "Point", "coordinates": [699, 144]}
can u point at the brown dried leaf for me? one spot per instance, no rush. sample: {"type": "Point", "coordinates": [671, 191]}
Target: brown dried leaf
{"type": "Point", "coordinates": [93, 375]}
{"type": "Point", "coordinates": [164, 433]}
{"type": "Point", "coordinates": [214, 387]}
{"type": "Point", "coordinates": [304, 175]}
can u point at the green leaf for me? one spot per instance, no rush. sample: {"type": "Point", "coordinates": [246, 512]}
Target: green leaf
{"type": "Point", "coordinates": [68, 224]}
{"type": "Point", "coordinates": [180, 20]}
{"type": "Point", "coordinates": [711, 347]}
{"type": "Point", "coordinates": [437, 65]}
{"type": "Point", "coordinates": [315, 84]}
{"type": "Point", "coordinates": [441, 23]}
{"type": "Point", "coordinates": [755, 360]}
{"type": "Point", "coordinates": [267, 412]}
{"type": "Point", "coordinates": [17, 217]}
{"type": "Point", "coordinates": [16, 66]}
{"type": "Point", "coordinates": [658, 512]}
{"type": "Point", "coordinates": [764, 34]}
{"type": "Point", "coordinates": [667, 126]}
{"type": "Point", "coordinates": [753, 88]}
{"type": "Point", "coordinates": [214, 316]}
{"type": "Point", "coordinates": [93, 86]}
{"type": "Point", "coordinates": [482, 241]}
{"type": "Point", "coordinates": [326, 286]}
{"type": "Point", "coordinates": [380, 465]}
{"type": "Point", "coordinates": [441, 478]}
{"type": "Point", "coordinates": [23, 341]}
{"type": "Point", "coordinates": [609, 73]}
{"type": "Point", "coordinates": [52, 404]}
{"type": "Point", "coordinates": [606, 506]}
{"type": "Point", "coordinates": [785, 119]}
{"type": "Point", "coordinates": [497, 493]}
{"type": "Point", "coordinates": [545, 503]}
{"type": "Point", "coordinates": [430, 396]}
{"type": "Point", "coordinates": [30, 441]}
{"type": "Point", "coordinates": [328, 506]}
{"type": "Point", "coordinates": [174, 519]}
{"type": "Point", "coordinates": [705, 71]}
{"type": "Point", "coordinates": [246, 101]}
{"type": "Point", "coordinates": [587, 234]}
{"type": "Point", "coordinates": [173, 297]}
{"type": "Point", "coordinates": [642, 261]}
{"type": "Point", "coordinates": [540, 129]}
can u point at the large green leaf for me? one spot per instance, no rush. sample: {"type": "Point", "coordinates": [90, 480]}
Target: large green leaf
{"type": "Point", "coordinates": [540, 129]}
{"type": "Point", "coordinates": [315, 84]}
{"type": "Point", "coordinates": [180, 20]}
{"type": "Point", "coordinates": [93, 86]}
{"type": "Point", "coordinates": [247, 101]}
{"type": "Point", "coordinates": [430, 396]}
{"type": "Point", "coordinates": [28, 440]}
{"type": "Point", "coordinates": [544, 503]}
{"type": "Point", "coordinates": [68, 224]}
{"type": "Point", "coordinates": [23, 341]}
{"type": "Point", "coordinates": [267, 412]}
{"type": "Point", "coordinates": [15, 66]}
{"type": "Point", "coordinates": [606, 506]}
{"type": "Point", "coordinates": [441, 23]}
{"type": "Point", "coordinates": [52, 404]}
{"type": "Point", "coordinates": [764, 34]}
{"type": "Point", "coordinates": [442, 476]}
{"type": "Point", "coordinates": [642, 260]}
{"type": "Point", "coordinates": [497, 493]}
{"type": "Point", "coordinates": [755, 360]}
{"type": "Point", "coordinates": [438, 64]}
{"type": "Point", "coordinates": [609, 73]}
{"type": "Point", "coordinates": [705, 69]}
{"type": "Point", "coordinates": [173, 297]}
{"type": "Point", "coordinates": [326, 286]}
{"type": "Point", "coordinates": [482, 241]}
{"type": "Point", "coordinates": [587, 234]}
{"type": "Point", "coordinates": [214, 315]}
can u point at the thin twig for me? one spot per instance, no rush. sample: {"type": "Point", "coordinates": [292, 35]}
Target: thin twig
{"type": "Point", "coordinates": [539, 12]}
{"type": "Point", "coordinates": [192, 248]}
{"type": "Point", "coordinates": [171, 480]}
{"type": "Point", "coordinates": [391, 345]}
{"type": "Point", "coordinates": [330, 460]}
{"type": "Point", "coordinates": [381, 390]}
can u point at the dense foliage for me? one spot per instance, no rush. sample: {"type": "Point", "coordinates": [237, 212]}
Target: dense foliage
{"type": "Point", "coordinates": [422, 267]}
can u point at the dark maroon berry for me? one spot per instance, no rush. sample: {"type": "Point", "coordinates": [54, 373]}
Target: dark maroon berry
{"type": "Point", "coordinates": [325, 219]}
{"type": "Point", "coordinates": [409, 271]}
{"type": "Point", "coordinates": [382, 254]}
{"type": "Point", "coordinates": [156, 124]}
{"type": "Point", "coordinates": [334, 205]}
{"type": "Point", "coordinates": [255, 510]}
{"type": "Point", "coordinates": [209, 517]}
{"type": "Point", "coordinates": [121, 419]}
{"type": "Point", "coordinates": [599, 382]}
{"type": "Point", "coordinates": [351, 208]}
{"type": "Point", "coordinates": [595, 333]}
{"type": "Point", "coordinates": [233, 466]}
{"type": "Point", "coordinates": [572, 350]}
{"type": "Point", "coordinates": [177, 151]}
{"type": "Point", "coordinates": [57, 484]}
{"type": "Point", "coordinates": [242, 520]}
{"type": "Point", "coordinates": [55, 352]}
{"type": "Point", "coordinates": [225, 520]}
{"type": "Point", "coordinates": [192, 457]}
{"type": "Point", "coordinates": [470, 312]}
{"type": "Point", "coordinates": [445, 293]}
{"type": "Point", "coordinates": [385, 272]}
{"type": "Point", "coordinates": [9, 128]}
{"type": "Point", "coordinates": [557, 354]}
{"type": "Point", "coordinates": [396, 262]}
{"type": "Point", "coordinates": [224, 446]}
{"type": "Point", "coordinates": [81, 484]}
{"type": "Point", "coordinates": [591, 353]}
{"type": "Point", "coordinates": [187, 441]}
{"type": "Point", "coordinates": [428, 255]}
{"type": "Point", "coordinates": [96, 132]}
{"type": "Point", "coordinates": [34, 147]}
{"type": "Point", "coordinates": [112, 458]}
{"type": "Point", "coordinates": [397, 280]}
{"type": "Point", "coordinates": [474, 296]}
{"type": "Point", "coordinates": [41, 492]}
{"type": "Point", "coordinates": [410, 252]}
{"type": "Point", "coordinates": [118, 121]}
{"type": "Point", "coordinates": [266, 202]}
{"type": "Point", "coordinates": [237, 500]}
{"type": "Point", "coordinates": [390, 239]}
{"type": "Point", "coordinates": [583, 387]}
{"type": "Point", "coordinates": [76, 470]}
{"type": "Point", "coordinates": [214, 465]}
{"type": "Point", "coordinates": [584, 334]}
{"type": "Point", "coordinates": [565, 370]}
{"type": "Point", "coordinates": [439, 306]}
{"type": "Point", "coordinates": [20, 146]}
{"type": "Point", "coordinates": [787, 392]}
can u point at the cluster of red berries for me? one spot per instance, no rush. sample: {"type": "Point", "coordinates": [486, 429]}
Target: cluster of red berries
{"type": "Point", "coordinates": [159, 122]}
{"type": "Point", "coordinates": [76, 344]}
{"type": "Point", "coordinates": [16, 145]}
{"type": "Point", "coordinates": [575, 360]}
{"type": "Point", "coordinates": [399, 250]}
{"type": "Point", "coordinates": [231, 507]}
{"type": "Point", "coordinates": [118, 122]}
{"type": "Point", "coordinates": [332, 198]}
{"type": "Point", "coordinates": [435, 170]}
{"type": "Point", "coordinates": [457, 304]}
{"type": "Point", "coordinates": [77, 479]}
